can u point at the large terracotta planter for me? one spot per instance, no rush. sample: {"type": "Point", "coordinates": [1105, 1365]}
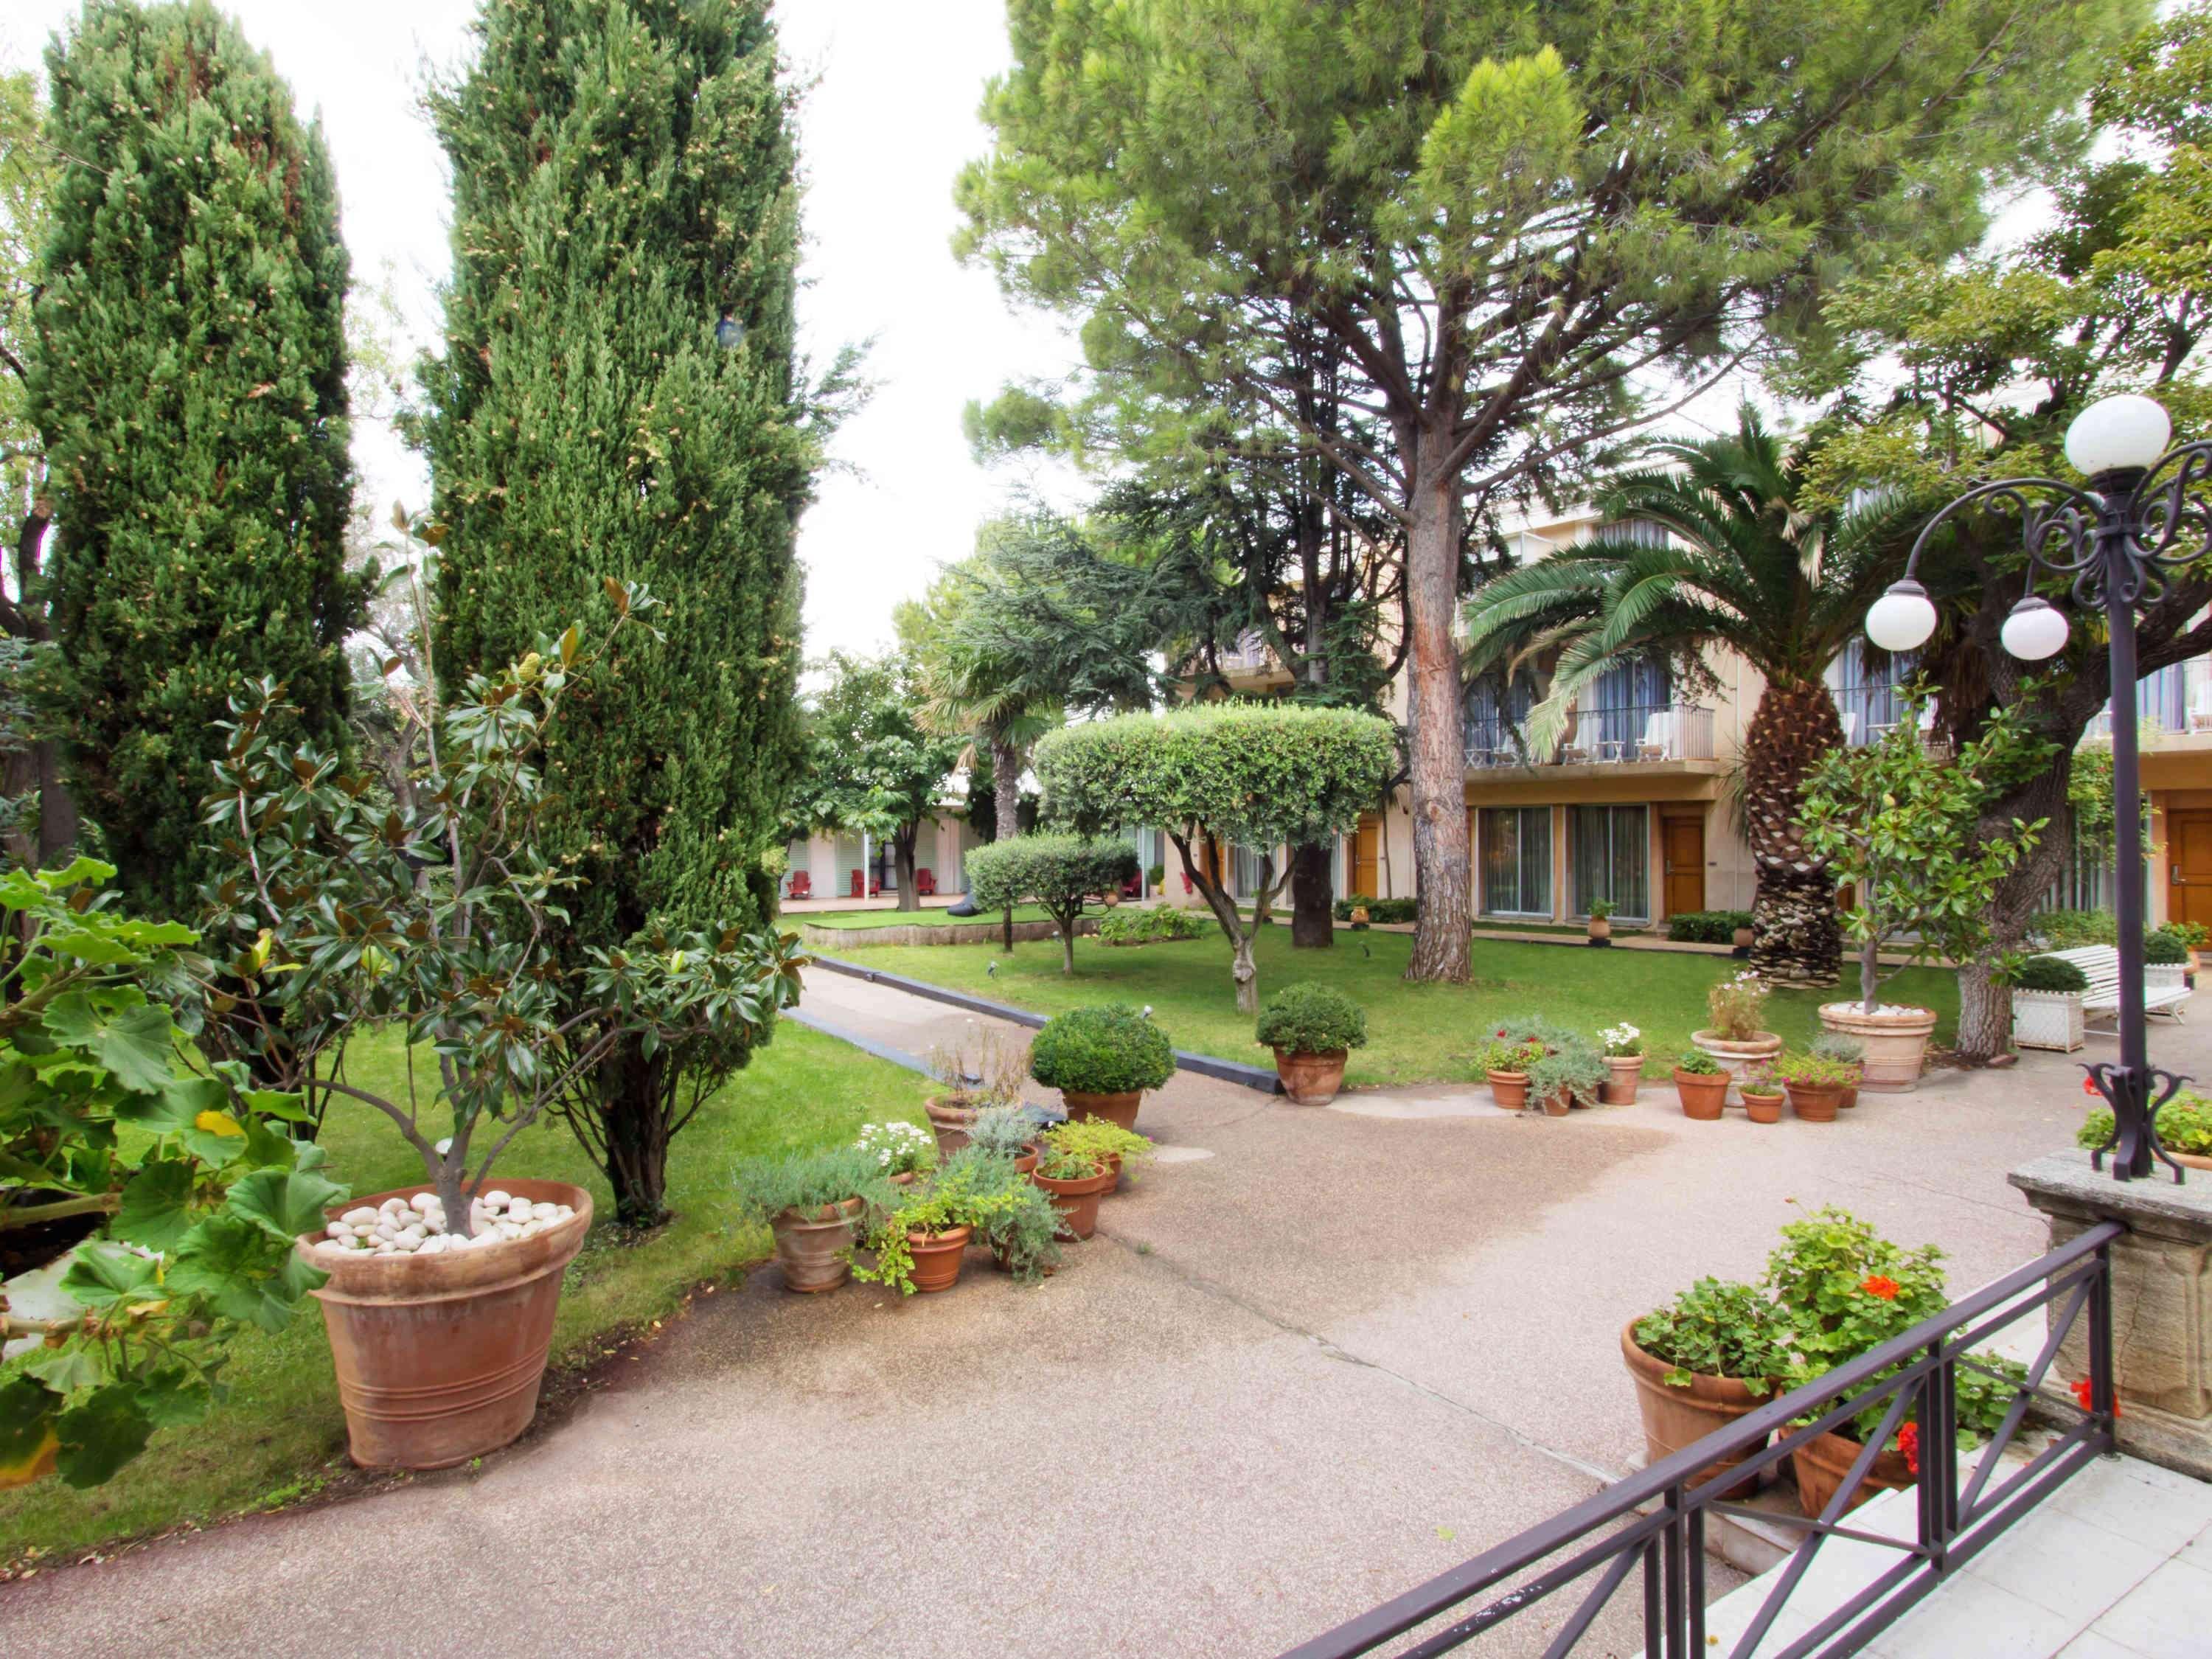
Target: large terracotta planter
{"type": "Point", "coordinates": [1622, 1073]}
{"type": "Point", "coordinates": [1310, 1079]}
{"type": "Point", "coordinates": [1702, 1094]}
{"type": "Point", "coordinates": [1077, 1201]}
{"type": "Point", "coordinates": [438, 1357]}
{"type": "Point", "coordinates": [1896, 1043]}
{"type": "Point", "coordinates": [810, 1248]}
{"type": "Point", "coordinates": [1120, 1108]}
{"type": "Point", "coordinates": [1822, 1463]}
{"type": "Point", "coordinates": [1735, 1057]}
{"type": "Point", "coordinates": [1814, 1105]}
{"type": "Point", "coordinates": [2190, 1160]}
{"type": "Point", "coordinates": [1510, 1091]}
{"type": "Point", "coordinates": [1600, 930]}
{"type": "Point", "coordinates": [937, 1258]}
{"type": "Point", "coordinates": [1674, 1418]}
{"type": "Point", "coordinates": [949, 1124]}
{"type": "Point", "coordinates": [1764, 1108]}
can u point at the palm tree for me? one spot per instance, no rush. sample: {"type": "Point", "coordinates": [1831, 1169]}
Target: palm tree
{"type": "Point", "coordinates": [1747, 567]}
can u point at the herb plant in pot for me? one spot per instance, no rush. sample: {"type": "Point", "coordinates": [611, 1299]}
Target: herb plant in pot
{"type": "Point", "coordinates": [347, 914]}
{"type": "Point", "coordinates": [1624, 1063]}
{"type": "Point", "coordinates": [1815, 1086]}
{"type": "Point", "coordinates": [1101, 1060]}
{"type": "Point", "coordinates": [1701, 1085]}
{"type": "Point", "coordinates": [1700, 1363]}
{"type": "Point", "coordinates": [1312, 1029]}
{"type": "Point", "coordinates": [2185, 1129]}
{"type": "Point", "coordinates": [1737, 1037]}
{"type": "Point", "coordinates": [1009, 1131]}
{"type": "Point", "coordinates": [920, 1235]}
{"type": "Point", "coordinates": [900, 1152]}
{"type": "Point", "coordinates": [812, 1202]}
{"type": "Point", "coordinates": [1570, 1076]}
{"type": "Point", "coordinates": [1846, 1051]}
{"type": "Point", "coordinates": [1075, 1179]}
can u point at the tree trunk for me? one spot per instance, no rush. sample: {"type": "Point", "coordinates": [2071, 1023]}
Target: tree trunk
{"type": "Point", "coordinates": [1437, 771]}
{"type": "Point", "coordinates": [1242, 968]}
{"type": "Point", "coordinates": [1984, 1000]}
{"type": "Point", "coordinates": [1796, 940]}
{"type": "Point", "coordinates": [902, 862]}
{"type": "Point", "coordinates": [1313, 899]}
{"type": "Point", "coordinates": [633, 1101]}
{"type": "Point", "coordinates": [1067, 947]}
{"type": "Point", "coordinates": [1006, 806]}
{"type": "Point", "coordinates": [1245, 972]}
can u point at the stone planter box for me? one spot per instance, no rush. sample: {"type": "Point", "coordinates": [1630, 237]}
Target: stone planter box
{"type": "Point", "coordinates": [2047, 1019]}
{"type": "Point", "coordinates": [2165, 975]}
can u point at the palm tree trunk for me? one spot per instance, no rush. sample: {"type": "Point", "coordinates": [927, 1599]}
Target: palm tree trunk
{"type": "Point", "coordinates": [1796, 940]}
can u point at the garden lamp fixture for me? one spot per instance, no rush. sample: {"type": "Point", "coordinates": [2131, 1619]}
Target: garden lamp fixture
{"type": "Point", "coordinates": [2148, 510]}
{"type": "Point", "coordinates": [729, 332]}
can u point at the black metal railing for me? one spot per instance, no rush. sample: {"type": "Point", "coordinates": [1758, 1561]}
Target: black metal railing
{"type": "Point", "coordinates": [1917, 1374]}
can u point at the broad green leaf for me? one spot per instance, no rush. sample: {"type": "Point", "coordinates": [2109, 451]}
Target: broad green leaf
{"type": "Point", "coordinates": [105, 1276]}
{"type": "Point", "coordinates": [284, 1203]}
{"type": "Point", "coordinates": [277, 1104]}
{"type": "Point", "coordinates": [154, 1211]}
{"type": "Point", "coordinates": [28, 1443]}
{"type": "Point", "coordinates": [239, 1270]}
{"type": "Point", "coordinates": [175, 1106]}
{"type": "Point", "coordinates": [133, 1043]}
{"type": "Point", "coordinates": [101, 1436]}
{"type": "Point", "coordinates": [66, 1369]}
{"type": "Point", "coordinates": [171, 1397]}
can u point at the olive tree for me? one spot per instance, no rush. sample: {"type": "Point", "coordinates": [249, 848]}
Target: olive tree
{"type": "Point", "coordinates": [1217, 777]}
{"type": "Point", "coordinates": [1059, 874]}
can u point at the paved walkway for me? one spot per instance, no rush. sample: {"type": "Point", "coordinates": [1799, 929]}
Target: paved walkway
{"type": "Point", "coordinates": [1314, 1357]}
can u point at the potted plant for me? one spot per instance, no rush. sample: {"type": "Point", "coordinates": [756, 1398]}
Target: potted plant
{"type": "Point", "coordinates": [920, 1234]}
{"type": "Point", "coordinates": [2166, 961]}
{"type": "Point", "coordinates": [1023, 1229]}
{"type": "Point", "coordinates": [810, 1201]}
{"type": "Point", "coordinates": [984, 1067]}
{"type": "Point", "coordinates": [1624, 1063]}
{"type": "Point", "coordinates": [1506, 1064]}
{"type": "Point", "coordinates": [2046, 1005]}
{"type": "Point", "coordinates": [899, 1152]}
{"type": "Point", "coordinates": [2193, 936]}
{"type": "Point", "coordinates": [1762, 1095]}
{"type": "Point", "coordinates": [1740, 938]}
{"type": "Point", "coordinates": [1737, 1037]}
{"type": "Point", "coordinates": [1845, 1051]}
{"type": "Point", "coordinates": [1700, 1363]}
{"type": "Point", "coordinates": [1312, 1029]}
{"type": "Point", "coordinates": [348, 914]}
{"type": "Point", "coordinates": [1101, 1060]}
{"type": "Point", "coordinates": [1077, 1167]}
{"type": "Point", "coordinates": [1600, 921]}
{"type": "Point", "coordinates": [1815, 1086]}
{"type": "Point", "coordinates": [1568, 1077]}
{"type": "Point", "coordinates": [2184, 1124]}
{"type": "Point", "coordinates": [1013, 1132]}
{"type": "Point", "coordinates": [1117, 1148]}
{"type": "Point", "coordinates": [1901, 822]}
{"type": "Point", "coordinates": [1701, 1084]}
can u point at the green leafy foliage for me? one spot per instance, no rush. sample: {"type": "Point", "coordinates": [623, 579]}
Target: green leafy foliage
{"type": "Point", "coordinates": [1059, 874]}
{"type": "Point", "coordinates": [1738, 1006]}
{"type": "Point", "coordinates": [1311, 1019]}
{"type": "Point", "coordinates": [2185, 1125]}
{"type": "Point", "coordinates": [1095, 1143]}
{"type": "Point", "coordinates": [1510, 1057]}
{"type": "Point", "coordinates": [1575, 1068]}
{"type": "Point", "coordinates": [2193, 935]}
{"type": "Point", "coordinates": [1109, 1050]}
{"type": "Point", "coordinates": [2069, 930]}
{"type": "Point", "coordinates": [769, 1185]}
{"type": "Point", "coordinates": [1719, 1329]}
{"type": "Point", "coordinates": [187, 372]}
{"type": "Point", "coordinates": [1389, 910]}
{"type": "Point", "coordinates": [1706, 926]}
{"type": "Point", "coordinates": [1152, 925]}
{"type": "Point", "coordinates": [1847, 1289]}
{"type": "Point", "coordinates": [1696, 1062]}
{"type": "Point", "coordinates": [1008, 1131]}
{"type": "Point", "coordinates": [971, 1189]}
{"type": "Point", "coordinates": [2163, 950]}
{"type": "Point", "coordinates": [1810, 1071]}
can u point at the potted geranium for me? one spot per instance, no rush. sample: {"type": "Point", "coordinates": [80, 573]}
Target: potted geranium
{"type": "Point", "coordinates": [346, 913]}
{"type": "Point", "coordinates": [1815, 1086]}
{"type": "Point", "coordinates": [1505, 1062]}
{"type": "Point", "coordinates": [1762, 1095]}
{"type": "Point", "coordinates": [1570, 1075]}
{"type": "Point", "coordinates": [1702, 1362]}
{"type": "Point", "coordinates": [1624, 1063]}
{"type": "Point", "coordinates": [1312, 1029]}
{"type": "Point", "coordinates": [1101, 1060]}
{"type": "Point", "coordinates": [1738, 1038]}
{"type": "Point", "coordinates": [812, 1202]}
{"type": "Point", "coordinates": [1600, 921]}
{"type": "Point", "coordinates": [2046, 1005]}
{"type": "Point", "coordinates": [2185, 1129]}
{"type": "Point", "coordinates": [1701, 1085]}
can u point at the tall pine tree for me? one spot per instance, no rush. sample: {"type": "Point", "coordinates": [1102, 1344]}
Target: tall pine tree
{"type": "Point", "coordinates": [188, 378]}
{"type": "Point", "coordinates": [617, 398]}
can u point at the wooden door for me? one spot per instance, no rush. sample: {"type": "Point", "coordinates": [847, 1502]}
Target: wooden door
{"type": "Point", "coordinates": [1367, 855]}
{"type": "Point", "coordinates": [2189, 870]}
{"type": "Point", "coordinates": [1683, 842]}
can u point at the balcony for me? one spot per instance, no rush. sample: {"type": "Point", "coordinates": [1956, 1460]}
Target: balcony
{"type": "Point", "coordinates": [1635, 735]}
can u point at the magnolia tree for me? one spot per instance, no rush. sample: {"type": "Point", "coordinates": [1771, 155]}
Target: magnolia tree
{"type": "Point", "coordinates": [1059, 874]}
{"type": "Point", "coordinates": [1897, 820]}
{"type": "Point", "coordinates": [1216, 778]}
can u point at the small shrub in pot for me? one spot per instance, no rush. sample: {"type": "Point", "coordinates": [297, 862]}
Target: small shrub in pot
{"type": "Point", "coordinates": [1815, 1086]}
{"type": "Point", "coordinates": [1007, 1132]}
{"type": "Point", "coordinates": [1082, 1160]}
{"type": "Point", "coordinates": [1843, 1051]}
{"type": "Point", "coordinates": [1505, 1063]}
{"type": "Point", "coordinates": [2164, 950]}
{"type": "Point", "coordinates": [1623, 1046]}
{"type": "Point", "coordinates": [1708, 1357]}
{"type": "Point", "coordinates": [1312, 1028]}
{"type": "Point", "coordinates": [810, 1201]}
{"type": "Point", "coordinates": [1569, 1076]}
{"type": "Point", "coordinates": [2184, 1123]}
{"type": "Point", "coordinates": [2049, 974]}
{"type": "Point", "coordinates": [1101, 1059]}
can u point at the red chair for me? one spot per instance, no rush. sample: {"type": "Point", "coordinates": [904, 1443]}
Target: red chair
{"type": "Point", "coordinates": [857, 878]}
{"type": "Point", "coordinates": [1133, 888]}
{"type": "Point", "coordinates": [925, 883]}
{"type": "Point", "coordinates": [802, 885]}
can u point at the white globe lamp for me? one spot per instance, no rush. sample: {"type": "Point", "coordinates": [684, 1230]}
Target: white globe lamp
{"type": "Point", "coordinates": [2035, 631]}
{"type": "Point", "coordinates": [1902, 618]}
{"type": "Point", "coordinates": [2121, 434]}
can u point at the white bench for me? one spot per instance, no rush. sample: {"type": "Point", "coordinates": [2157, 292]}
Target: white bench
{"type": "Point", "coordinates": [2100, 966]}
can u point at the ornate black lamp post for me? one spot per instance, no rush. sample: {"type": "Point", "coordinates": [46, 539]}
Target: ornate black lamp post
{"type": "Point", "coordinates": [2148, 510]}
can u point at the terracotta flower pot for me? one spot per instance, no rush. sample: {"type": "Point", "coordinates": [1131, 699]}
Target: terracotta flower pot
{"type": "Point", "coordinates": [1742, 939]}
{"type": "Point", "coordinates": [949, 1122]}
{"type": "Point", "coordinates": [906, 1178]}
{"type": "Point", "coordinates": [1310, 1079]}
{"type": "Point", "coordinates": [1815, 1103]}
{"type": "Point", "coordinates": [1510, 1091]}
{"type": "Point", "coordinates": [1559, 1102]}
{"type": "Point", "coordinates": [1764, 1108]}
{"type": "Point", "coordinates": [1674, 1416]}
{"type": "Point", "coordinates": [1896, 1043]}
{"type": "Point", "coordinates": [1850, 1096]}
{"type": "Point", "coordinates": [936, 1257]}
{"type": "Point", "coordinates": [2190, 1160]}
{"type": "Point", "coordinates": [1737, 1056]}
{"type": "Point", "coordinates": [1077, 1201]}
{"type": "Point", "coordinates": [1702, 1093]}
{"type": "Point", "coordinates": [1120, 1108]}
{"type": "Point", "coordinates": [1028, 1161]}
{"type": "Point", "coordinates": [1822, 1463]}
{"type": "Point", "coordinates": [438, 1357]}
{"type": "Point", "coordinates": [1600, 928]}
{"type": "Point", "coordinates": [1623, 1072]}
{"type": "Point", "coordinates": [810, 1248]}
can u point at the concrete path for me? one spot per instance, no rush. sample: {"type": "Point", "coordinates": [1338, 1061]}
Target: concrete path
{"type": "Point", "coordinates": [1314, 1357]}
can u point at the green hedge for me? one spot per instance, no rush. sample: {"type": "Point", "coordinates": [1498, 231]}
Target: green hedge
{"type": "Point", "coordinates": [1389, 909]}
{"type": "Point", "coordinates": [1129, 926]}
{"type": "Point", "coordinates": [1706, 926]}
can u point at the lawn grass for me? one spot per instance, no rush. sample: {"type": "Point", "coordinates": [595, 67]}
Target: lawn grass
{"type": "Point", "coordinates": [1416, 1033]}
{"type": "Point", "coordinates": [282, 1425]}
{"type": "Point", "coordinates": [860, 922]}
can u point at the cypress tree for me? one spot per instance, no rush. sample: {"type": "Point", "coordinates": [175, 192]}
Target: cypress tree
{"type": "Point", "coordinates": [615, 398]}
{"type": "Point", "coordinates": [188, 378]}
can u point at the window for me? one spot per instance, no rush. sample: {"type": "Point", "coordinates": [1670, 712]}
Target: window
{"type": "Point", "coordinates": [1614, 710]}
{"type": "Point", "coordinates": [1868, 689]}
{"type": "Point", "coordinates": [1517, 860]}
{"type": "Point", "coordinates": [1609, 857]}
{"type": "Point", "coordinates": [1495, 714]}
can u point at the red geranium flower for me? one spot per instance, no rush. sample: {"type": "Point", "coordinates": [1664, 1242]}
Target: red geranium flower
{"type": "Point", "coordinates": [2081, 1394]}
{"type": "Point", "coordinates": [1875, 1285]}
{"type": "Point", "coordinates": [1908, 1442]}
{"type": "Point", "coordinates": [2089, 1086]}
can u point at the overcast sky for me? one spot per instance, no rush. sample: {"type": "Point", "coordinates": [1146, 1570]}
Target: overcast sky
{"type": "Point", "coordinates": [888, 121]}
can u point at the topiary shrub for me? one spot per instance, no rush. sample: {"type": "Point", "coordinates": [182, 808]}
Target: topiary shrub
{"type": "Point", "coordinates": [1111, 1050]}
{"type": "Point", "coordinates": [1152, 926]}
{"type": "Point", "coordinates": [1060, 874]}
{"type": "Point", "coordinates": [1706, 926]}
{"type": "Point", "coordinates": [2164, 950]}
{"type": "Point", "coordinates": [1312, 1020]}
{"type": "Point", "coordinates": [2049, 974]}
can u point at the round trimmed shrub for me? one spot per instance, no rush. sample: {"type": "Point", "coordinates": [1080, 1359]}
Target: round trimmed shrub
{"type": "Point", "coordinates": [2049, 974]}
{"type": "Point", "coordinates": [1312, 1020]}
{"type": "Point", "coordinates": [2164, 950]}
{"type": "Point", "coordinates": [1111, 1050]}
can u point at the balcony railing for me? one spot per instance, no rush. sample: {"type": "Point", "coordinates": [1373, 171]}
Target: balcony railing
{"type": "Point", "coordinates": [1635, 735]}
{"type": "Point", "coordinates": [1251, 656]}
